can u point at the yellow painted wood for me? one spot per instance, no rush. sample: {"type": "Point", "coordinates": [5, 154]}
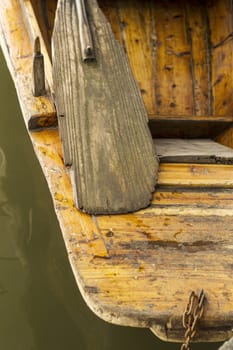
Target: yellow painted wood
{"type": "Point", "coordinates": [137, 38]}
{"type": "Point", "coordinates": [196, 175]}
{"type": "Point", "coordinates": [197, 33]}
{"type": "Point", "coordinates": [44, 13]}
{"type": "Point", "coordinates": [182, 241]}
{"type": "Point", "coordinates": [139, 269]}
{"type": "Point", "coordinates": [35, 31]}
{"type": "Point", "coordinates": [221, 27]}
{"type": "Point", "coordinates": [110, 10]}
{"type": "Point", "coordinates": [187, 48]}
{"type": "Point", "coordinates": [174, 93]}
{"type": "Point", "coordinates": [226, 137]}
{"type": "Point", "coordinates": [39, 111]}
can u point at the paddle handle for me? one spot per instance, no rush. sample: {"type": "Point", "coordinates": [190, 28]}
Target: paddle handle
{"type": "Point", "coordinates": [86, 41]}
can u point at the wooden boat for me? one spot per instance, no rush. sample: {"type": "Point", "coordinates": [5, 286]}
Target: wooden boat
{"type": "Point", "coordinates": [143, 268]}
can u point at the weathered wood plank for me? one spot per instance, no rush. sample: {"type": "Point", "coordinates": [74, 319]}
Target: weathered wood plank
{"type": "Point", "coordinates": [109, 144]}
{"type": "Point", "coordinates": [44, 12]}
{"type": "Point", "coordinates": [197, 30]}
{"type": "Point", "coordinates": [196, 175]}
{"type": "Point", "coordinates": [183, 239]}
{"type": "Point", "coordinates": [39, 111]}
{"type": "Point", "coordinates": [226, 137]}
{"type": "Point", "coordinates": [228, 118]}
{"type": "Point", "coordinates": [181, 126]}
{"type": "Point", "coordinates": [38, 74]}
{"type": "Point", "coordinates": [34, 31]}
{"type": "Point", "coordinates": [199, 198]}
{"type": "Point", "coordinates": [193, 151]}
{"type": "Point", "coordinates": [177, 242]}
{"type": "Point", "coordinates": [161, 234]}
{"type": "Point", "coordinates": [174, 92]}
{"type": "Point", "coordinates": [137, 26]}
{"type": "Point", "coordinates": [110, 9]}
{"type": "Point", "coordinates": [221, 28]}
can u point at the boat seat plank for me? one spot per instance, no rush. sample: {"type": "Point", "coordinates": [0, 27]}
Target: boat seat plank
{"type": "Point", "coordinates": [171, 126]}
{"type": "Point", "coordinates": [193, 151]}
{"type": "Point", "coordinates": [196, 175]}
{"type": "Point", "coordinates": [106, 137]}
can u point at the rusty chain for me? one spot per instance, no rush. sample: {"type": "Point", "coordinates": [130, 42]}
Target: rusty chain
{"type": "Point", "coordinates": [193, 313]}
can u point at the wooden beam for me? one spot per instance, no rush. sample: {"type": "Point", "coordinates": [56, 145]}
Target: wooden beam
{"type": "Point", "coordinates": [103, 121]}
{"type": "Point", "coordinates": [186, 118]}
{"type": "Point", "coordinates": [196, 175]}
{"type": "Point", "coordinates": [183, 126]}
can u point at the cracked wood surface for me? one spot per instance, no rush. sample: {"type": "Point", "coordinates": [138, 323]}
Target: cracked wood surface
{"type": "Point", "coordinates": [182, 242]}
{"type": "Point", "coordinates": [103, 121]}
{"type": "Point", "coordinates": [138, 269]}
{"type": "Point", "coordinates": [181, 55]}
{"type": "Point", "coordinates": [40, 111]}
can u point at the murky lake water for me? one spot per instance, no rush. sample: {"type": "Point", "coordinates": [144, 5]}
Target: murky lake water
{"type": "Point", "coordinates": [40, 305]}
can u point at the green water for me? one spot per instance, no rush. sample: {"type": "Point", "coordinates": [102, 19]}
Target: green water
{"type": "Point", "coordinates": [40, 305]}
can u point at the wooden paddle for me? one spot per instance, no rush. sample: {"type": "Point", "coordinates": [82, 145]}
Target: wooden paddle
{"type": "Point", "coordinates": [102, 118]}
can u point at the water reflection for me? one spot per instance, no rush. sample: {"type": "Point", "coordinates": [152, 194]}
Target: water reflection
{"type": "Point", "coordinates": [40, 306]}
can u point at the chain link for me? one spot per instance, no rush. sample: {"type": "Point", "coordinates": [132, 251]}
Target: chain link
{"type": "Point", "coordinates": [193, 312]}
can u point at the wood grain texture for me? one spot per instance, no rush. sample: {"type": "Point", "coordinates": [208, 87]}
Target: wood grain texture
{"type": "Point", "coordinates": [182, 242]}
{"type": "Point", "coordinates": [221, 28]}
{"type": "Point", "coordinates": [40, 111]}
{"type": "Point", "coordinates": [111, 11]}
{"type": "Point", "coordinates": [106, 136]}
{"type": "Point", "coordinates": [196, 175]}
{"type": "Point", "coordinates": [226, 137]}
{"type": "Point", "coordinates": [197, 33]}
{"type": "Point", "coordinates": [38, 74]}
{"type": "Point", "coordinates": [200, 151]}
{"type": "Point", "coordinates": [187, 49]}
{"type": "Point", "coordinates": [34, 30]}
{"type": "Point", "coordinates": [179, 126]}
{"type": "Point", "coordinates": [174, 92]}
{"type": "Point", "coordinates": [136, 19]}
{"type": "Point", "coordinates": [138, 269]}
{"type": "Point", "coordinates": [45, 13]}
